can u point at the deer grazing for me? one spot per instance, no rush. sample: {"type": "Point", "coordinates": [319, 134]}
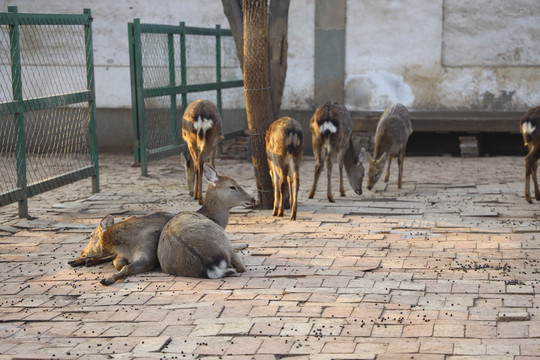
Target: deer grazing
{"type": "Point", "coordinates": [201, 130]}
{"type": "Point", "coordinates": [331, 128]}
{"type": "Point", "coordinates": [284, 144]}
{"type": "Point", "coordinates": [194, 244]}
{"type": "Point", "coordinates": [134, 241]}
{"type": "Point", "coordinates": [393, 131]}
{"type": "Point", "coordinates": [531, 137]}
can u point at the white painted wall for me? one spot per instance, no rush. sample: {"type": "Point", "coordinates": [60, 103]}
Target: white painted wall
{"type": "Point", "coordinates": [443, 54]}
{"type": "Point", "coordinates": [427, 54]}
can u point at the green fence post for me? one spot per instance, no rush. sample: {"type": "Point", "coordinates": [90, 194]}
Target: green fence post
{"type": "Point", "coordinates": [91, 85]}
{"type": "Point", "coordinates": [172, 82]}
{"type": "Point", "coordinates": [218, 67]}
{"type": "Point", "coordinates": [183, 66]}
{"type": "Point", "coordinates": [133, 78]}
{"type": "Point", "coordinates": [20, 145]}
{"type": "Point", "coordinates": [140, 120]}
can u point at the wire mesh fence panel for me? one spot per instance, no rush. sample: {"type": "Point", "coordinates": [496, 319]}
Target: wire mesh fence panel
{"type": "Point", "coordinates": [172, 66]}
{"type": "Point", "coordinates": [47, 136]}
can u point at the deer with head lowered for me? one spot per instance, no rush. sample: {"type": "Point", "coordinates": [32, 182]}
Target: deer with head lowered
{"type": "Point", "coordinates": [331, 129]}
{"type": "Point", "coordinates": [393, 131]}
{"type": "Point", "coordinates": [133, 242]}
{"type": "Point", "coordinates": [530, 129]}
{"type": "Point", "coordinates": [201, 130]}
{"type": "Point", "coordinates": [284, 144]}
{"type": "Point", "coordinates": [194, 244]}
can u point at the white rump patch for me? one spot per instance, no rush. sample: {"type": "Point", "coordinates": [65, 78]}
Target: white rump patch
{"type": "Point", "coordinates": [203, 124]}
{"type": "Point", "coordinates": [527, 128]}
{"type": "Point", "coordinates": [217, 272]}
{"type": "Point", "coordinates": [327, 125]}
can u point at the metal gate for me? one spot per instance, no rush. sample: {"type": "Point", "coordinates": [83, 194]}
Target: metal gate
{"type": "Point", "coordinates": [169, 64]}
{"type": "Point", "coordinates": [47, 107]}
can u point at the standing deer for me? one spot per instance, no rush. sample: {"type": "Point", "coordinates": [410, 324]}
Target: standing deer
{"type": "Point", "coordinates": [284, 143]}
{"type": "Point", "coordinates": [201, 130]}
{"type": "Point", "coordinates": [331, 128]}
{"type": "Point", "coordinates": [134, 241]}
{"type": "Point", "coordinates": [194, 244]}
{"type": "Point", "coordinates": [531, 137]}
{"type": "Point", "coordinates": [391, 135]}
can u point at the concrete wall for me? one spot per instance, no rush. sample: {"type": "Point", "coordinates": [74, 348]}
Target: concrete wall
{"type": "Point", "coordinates": [431, 55]}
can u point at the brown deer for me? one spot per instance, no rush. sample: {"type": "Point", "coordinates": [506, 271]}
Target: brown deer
{"type": "Point", "coordinates": [391, 136]}
{"type": "Point", "coordinates": [284, 144]}
{"type": "Point", "coordinates": [131, 242]}
{"type": "Point", "coordinates": [331, 129]}
{"type": "Point", "coordinates": [134, 241]}
{"type": "Point", "coordinates": [201, 130]}
{"type": "Point", "coordinates": [531, 137]}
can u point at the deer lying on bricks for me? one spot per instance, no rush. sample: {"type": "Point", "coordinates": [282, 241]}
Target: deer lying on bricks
{"type": "Point", "coordinates": [331, 128]}
{"type": "Point", "coordinates": [391, 135]}
{"type": "Point", "coordinates": [284, 144]}
{"type": "Point", "coordinates": [133, 242]}
{"type": "Point", "coordinates": [201, 130]}
{"type": "Point", "coordinates": [193, 245]}
{"type": "Point", "coordinates": [530, 130]}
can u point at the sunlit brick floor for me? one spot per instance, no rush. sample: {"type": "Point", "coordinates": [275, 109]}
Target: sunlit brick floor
{"type": "Point", "coordinates": [445, 268]}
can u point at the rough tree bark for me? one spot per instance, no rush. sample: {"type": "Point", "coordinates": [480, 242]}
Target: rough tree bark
{"type": "Point", "coordinates": [277, 40]}
{"type": "Point", "coordinates": [257, 91]}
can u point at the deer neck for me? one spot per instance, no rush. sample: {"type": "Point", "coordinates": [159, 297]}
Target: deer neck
{"type": "Point", "coordinates": [214, 209]}
{"type": "Point", "coordinates": [349, 158]}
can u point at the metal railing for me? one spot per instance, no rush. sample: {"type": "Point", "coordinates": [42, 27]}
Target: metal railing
{"type": "Point", "coordinates": [47, 107]}
{"type": "Point", "coordinates": [169, 64]}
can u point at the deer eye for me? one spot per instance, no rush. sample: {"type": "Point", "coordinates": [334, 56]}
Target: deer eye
{"type": "Point", "coordinates": [232, 187]}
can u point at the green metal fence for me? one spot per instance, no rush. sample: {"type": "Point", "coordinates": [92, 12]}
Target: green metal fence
{"type": "Point", "coordinates": [47, 93]}
{"type": "Point", "coordinates": [170, 67]}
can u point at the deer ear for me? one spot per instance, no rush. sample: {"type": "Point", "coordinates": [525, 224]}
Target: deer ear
{"type": "Point", "coordinates": [362, 155]}
{"type": "Point", "coordinates": [210, 173]}
{"type": "Point", "coordinates": [106, 222]}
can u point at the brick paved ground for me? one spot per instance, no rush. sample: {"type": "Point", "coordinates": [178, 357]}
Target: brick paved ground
{"type": "Point", "coordinates": [445, 268]}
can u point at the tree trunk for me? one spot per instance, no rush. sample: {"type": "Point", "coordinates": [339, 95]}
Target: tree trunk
{"type": "Point", "coordinates": [257, 92]}
{"type": "Point", "coordinates": [277, 39]}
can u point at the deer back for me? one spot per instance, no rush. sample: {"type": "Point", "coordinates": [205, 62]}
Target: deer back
{"type": "Point", "coordinates": [193, 245]}
{"type": "Point", "coordinates": [201, 127]}
{"type": "Point", "coordinates": [331, 127]}
{"type": "Point", "coordinates": [393, 131]}
{"type": "Point", "coordinates": [284, 138]}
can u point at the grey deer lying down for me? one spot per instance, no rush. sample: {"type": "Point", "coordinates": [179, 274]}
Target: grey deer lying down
{"type": "Point", "coordinates": [133, 242]}
{"type": "Point", "coordinates": [192, 245]}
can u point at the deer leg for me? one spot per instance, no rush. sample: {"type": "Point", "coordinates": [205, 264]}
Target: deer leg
{"type": "Point", "coordinates": [535, 181]}
{"type": "Point", "coordinates": [400, 167]}
{"type": "Point", "coordinates": [120, 262]}
{"type": "Point", "coordinates": [329, 177]}
{"type": "Point", "coordinates": [275, 182]}
{"type": "Point", "coordinates": [294, 192]}
{"type": "Point", "coordinates": [136, 267]}
{"type": "Point", "coordinates": [319, 165]}
{"type": "Point", "coordinates": [282, 190]}
{"type": "Point", "coordinates": [237, 263]}
{"type": "Point", "coordinates": [340, 164]}
{"type": "Point", "coordinates": [387, 176]}
{"type": "Point", "coordinates": [530, 163]}
{"type": "Point", "coordinates": [93, 261]}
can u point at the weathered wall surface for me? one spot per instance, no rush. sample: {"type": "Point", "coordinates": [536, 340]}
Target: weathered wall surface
{"type": "Point", "coordinates": [443, 55]}
{"type": "Point", "coordinates": [429, 55]}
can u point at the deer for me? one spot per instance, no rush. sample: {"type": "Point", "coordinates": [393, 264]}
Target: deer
{"type": "Point", "coordinates": [391, 136]}
{"type": "Point", "coordinates": [529, 126]}
{"type": "Point", "coordinates": [284, 144]}
{"type": "Point", "coordinates": [201, 130]}
{"type": "Point", "coordinates": [194, 244]}
{"type": "Point", "coordinates": [133, 242]}
{"type": "Point", "coordinates": [331, 129]}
